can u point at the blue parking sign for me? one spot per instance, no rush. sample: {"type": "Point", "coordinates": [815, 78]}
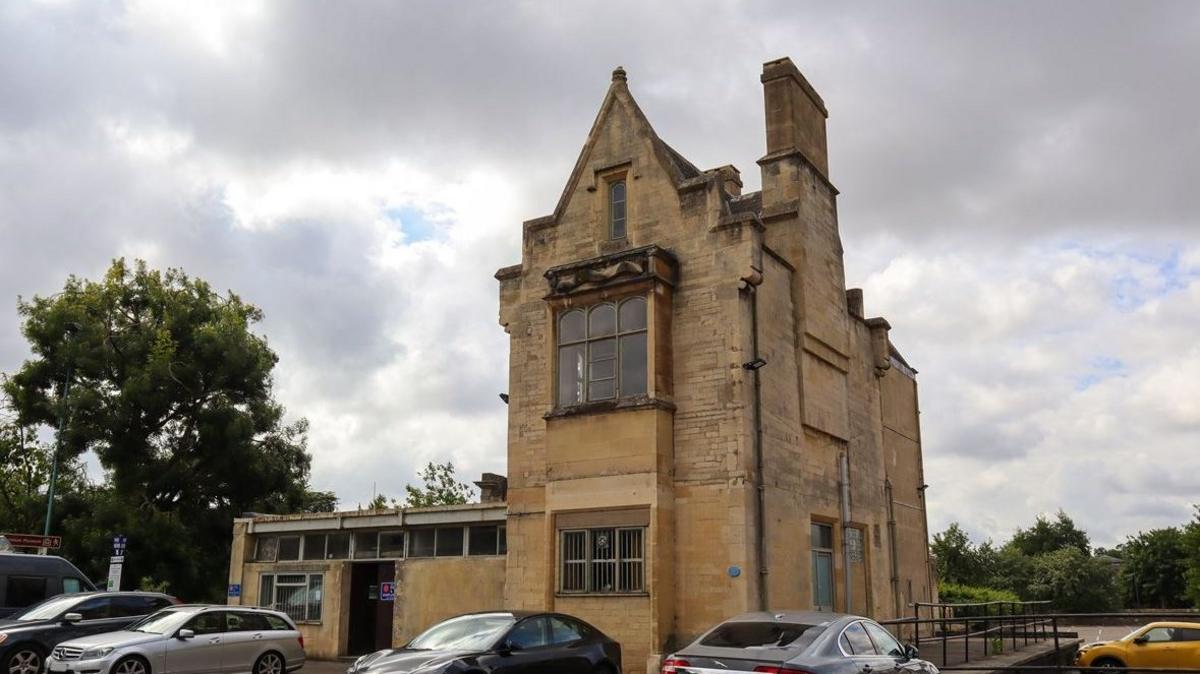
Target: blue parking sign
{"type": "Point", "coordinates": [235, 590]}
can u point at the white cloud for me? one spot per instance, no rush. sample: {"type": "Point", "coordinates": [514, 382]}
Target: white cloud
{"type": "Point", "coordinates": [1024, 213]}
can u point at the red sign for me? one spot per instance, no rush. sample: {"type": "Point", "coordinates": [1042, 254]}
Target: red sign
{"type": "Point", "coordinates": [34, 541]}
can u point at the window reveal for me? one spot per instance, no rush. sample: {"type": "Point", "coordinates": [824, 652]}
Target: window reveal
{"type": "Point", "coordinates": [602, 352]}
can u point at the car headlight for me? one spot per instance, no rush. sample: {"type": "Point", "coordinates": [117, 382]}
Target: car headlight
{"type": "Point", "coordinates": [96, 653]}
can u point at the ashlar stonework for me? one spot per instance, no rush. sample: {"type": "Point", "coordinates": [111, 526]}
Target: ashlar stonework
{"type": "Point", "coordinates": [721, 484]}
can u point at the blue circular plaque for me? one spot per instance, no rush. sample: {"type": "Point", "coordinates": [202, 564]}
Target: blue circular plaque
{"type": "Point", "coordinates": [735, 571]}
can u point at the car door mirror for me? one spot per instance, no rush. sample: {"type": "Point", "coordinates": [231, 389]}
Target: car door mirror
{"type": "Point", "coordinates": [185, 634]}
{"type": "Point", "coordinates": [1141, 640]}
{"type": "Point", "coordinates": [911, 652]}
{"type": "Point", "coordinates": [71, 618]}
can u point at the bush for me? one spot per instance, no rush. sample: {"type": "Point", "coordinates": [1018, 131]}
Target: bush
{"type": "Point", "coordinates": [953, 593]}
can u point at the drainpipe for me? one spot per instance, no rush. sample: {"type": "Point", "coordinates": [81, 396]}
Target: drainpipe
{"type": "Point", "coordinates": [749, 285]}
{"type": "Point", "coordinates": [891, 522]}
{"type": "Point", "coordinates": [844, 482]}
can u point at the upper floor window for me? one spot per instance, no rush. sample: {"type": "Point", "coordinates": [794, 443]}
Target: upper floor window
{"type": "Point", "coordinates": [602, 352]}
{"type": "Point", "coordinates": [616, 210]}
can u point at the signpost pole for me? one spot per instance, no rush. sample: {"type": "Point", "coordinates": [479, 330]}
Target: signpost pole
{"type": "Point", "coordinates": [62, 420]}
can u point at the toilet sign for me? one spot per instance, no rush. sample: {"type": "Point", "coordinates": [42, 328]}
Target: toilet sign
{"type": "Point", "coordinates": [387, 591]}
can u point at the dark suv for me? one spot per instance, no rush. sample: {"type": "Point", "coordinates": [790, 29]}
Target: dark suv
{"type": "Point", "coordinates": [28, 636]}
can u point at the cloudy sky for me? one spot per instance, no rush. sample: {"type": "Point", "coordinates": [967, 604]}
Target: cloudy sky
{"type": "Point", "coordinates": [1020, 197]}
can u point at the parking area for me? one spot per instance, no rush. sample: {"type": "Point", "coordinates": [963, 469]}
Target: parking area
{"type": "Point", "coordinates": [325, 667]}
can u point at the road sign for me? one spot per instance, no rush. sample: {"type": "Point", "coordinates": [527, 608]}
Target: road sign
{"type": "Point", "coordinates": [116, 562]}
{"type": "Point", "coordinates": [235, 590]}
{"type": "Point", "coordinates": [34, 541]}
{"type": "Point", "coordinates": [387, 591]}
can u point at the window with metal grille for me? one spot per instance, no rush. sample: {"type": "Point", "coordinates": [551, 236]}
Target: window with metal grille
{"type": "Point", "coordinates": [602, 352]}
{"type": "Point", "coordinates": [608, 560]}
{"type": "Point", "coordinates": [296, 594]}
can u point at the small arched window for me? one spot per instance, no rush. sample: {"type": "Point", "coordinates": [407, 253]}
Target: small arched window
{"type": "Point", "coordinates": [602, 352]}
{"type": "Point", "coordinates": [616, 210]}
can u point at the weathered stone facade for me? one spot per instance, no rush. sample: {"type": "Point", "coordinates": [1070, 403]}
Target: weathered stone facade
{"type": "Point", "coordinates": [727, 467]}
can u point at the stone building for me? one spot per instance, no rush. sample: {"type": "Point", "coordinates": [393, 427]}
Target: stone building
{"type": "Point", "coordinates": [702, 418]}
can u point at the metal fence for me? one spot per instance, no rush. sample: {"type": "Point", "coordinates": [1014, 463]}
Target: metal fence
{"type": "Point", "coordinates": [958, 637]}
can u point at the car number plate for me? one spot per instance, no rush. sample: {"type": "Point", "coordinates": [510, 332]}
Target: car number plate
{"type": "Point", "coordinates": [58, 667]}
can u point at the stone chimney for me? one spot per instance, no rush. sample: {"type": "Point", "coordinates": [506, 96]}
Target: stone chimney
{"type": "Point", "coordinates": [493, 488]}
{"type": "Point", "coordinates": [854, 302]}
{"type": "Point", "coordinates": [795, 114]}
{"type": "Point", "coordinates": [731, 179]}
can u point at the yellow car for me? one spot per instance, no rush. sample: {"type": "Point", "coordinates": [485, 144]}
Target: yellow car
{"type": "Point", "coordinates": [1162, 644]}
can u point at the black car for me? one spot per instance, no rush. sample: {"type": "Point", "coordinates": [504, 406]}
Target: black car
{"type": "Point", "coordinates": [797, 642]}
{"type": "Point", "coordinates": [26, 580]}
{"type": "Point", "coordinates": [501, 642]}
{"type": "Point", "coordinates": [28, 637]}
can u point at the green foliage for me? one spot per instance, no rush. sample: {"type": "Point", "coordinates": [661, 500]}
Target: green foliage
{"type": "Point", "coordinates": [960, 562]}
{"type": "Point", "coordinates": [1048, 561]}
{"type": "Point", "coordinates": [1191, 547]}
{"type": "Point", "coordinates": [1073, 580]}
{"type": "Point", "coordinates": [1046, 536]}
{"type": "Point", "coordinates": [172, 392]}
{"type": "Point", "coordinates": [1153, 569]}
{"type": "Point", "coordinates": [440, 488]}
{"type": "Point", "coordinates": [954, 593]}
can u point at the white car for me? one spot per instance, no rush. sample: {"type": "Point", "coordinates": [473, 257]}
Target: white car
{"type": "Point", "coordinates": [188, 640]}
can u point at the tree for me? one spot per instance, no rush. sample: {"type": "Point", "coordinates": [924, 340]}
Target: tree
{"type": "Point", "coordinates": [26, 475]}
{"type": "Point", "coordinates": [1191, 546]}
{"type": "Point", "coordinates": [1153, 568]}
{"type": "Point", "coordinates": [172, 391]}
{"type": "Point", "coordinates": [1073, 580]}
{"type": "Point", "coordinates": [1046, 536]}
{"type": "Point", "coordinates": [440, 488]}
{"type": "Point", "coordinates": [958, 560]}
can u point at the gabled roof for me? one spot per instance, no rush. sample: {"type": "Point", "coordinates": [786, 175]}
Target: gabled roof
{"type": "Point", "coordinates": [676, 165]}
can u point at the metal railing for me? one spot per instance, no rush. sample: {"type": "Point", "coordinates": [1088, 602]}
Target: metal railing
{"type": "Point", "coordinates": [962, 632]}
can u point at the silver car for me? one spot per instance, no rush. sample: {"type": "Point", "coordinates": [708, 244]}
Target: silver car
{"type": "Point", "coordinates": [188, 640]}
{"type": "Point", "coordinates": [797, 642]}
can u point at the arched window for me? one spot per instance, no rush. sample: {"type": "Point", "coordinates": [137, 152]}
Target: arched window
{"type": "Point", "coordinates": [616, 210]}
{"type": "Point", "coordinates": [602, 352]}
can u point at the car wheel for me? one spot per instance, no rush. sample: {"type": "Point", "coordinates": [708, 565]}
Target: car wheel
{"type": "Point", "coordinates": [1107, 663]}
{"type": "Point", "coordinates": [131, 665]}
{"type": "Point", "coordinates": [269, 663]}
{"type": "Point", "coordinates": [25, 660]}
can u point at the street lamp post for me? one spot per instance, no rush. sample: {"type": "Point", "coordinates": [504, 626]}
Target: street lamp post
{"type": "Point", "coordinates": [69, 332]}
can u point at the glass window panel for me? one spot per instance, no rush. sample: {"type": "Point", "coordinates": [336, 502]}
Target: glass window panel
{"type": "Point", "coordinates": [859, 641]}
{"type": "Point", "coordinates": [503, 541]}
{"type": "Point", "coordinates": [571, 327]}
{"type": "Point", "coordinates": [337, 546]}
{"type": "Point", "coordinates": [266, 592]}
{"type": "Point", "coordinates": [822, 575]}
{"type": "Point", "coordinates": [822, 536]}
{"type": "Point", "coordinates": [602, 390]}
{"type": "Point", "coordinates": [484, 540]}
{"type": "Point", "coordinates": [570, 374]}
{"type": "Point", "coordinates": [366, 545]}
{"type": "Point", "coordinates": [602, 320]}
{"type": "Point", "coordinates": [315, 586]}
{"type": "Point", "coordinates": [616, 210]}
{"type": "Point", "coordinates": [420, 542]}
{"type": "Point", "coordinates": [449, 542]}
{"type": "Point", "coordinates": [603, 369]}
{"type": "Point", "coordinates": [529, 633]}
{"type": "Point", "coordinates": [266, 549]}
{"type": "Point", "coordinates": [885, 643]}
{"type": "Point", "coordinates": [314, 546]}
{"type": "Point", "coordinates": [633, 364]}
{"type": "Point", "coordinates": [601, 349]}
{"type": "Point", "coordinates": [633, 314]}
{"type": "Point", "coordinates": [289, 547]}
{"type": "Point", "coordinates": [391, 544]}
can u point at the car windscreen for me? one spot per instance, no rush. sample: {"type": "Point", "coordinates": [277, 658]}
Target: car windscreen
{"type": "Point", "coordinates": [465, 633]}
{"type": "Point", "coordinates": [161, 622]}
{"type": "Point", "coordinates": [50, 608]}
{"type": "Point", "coordinates": [754, 634]}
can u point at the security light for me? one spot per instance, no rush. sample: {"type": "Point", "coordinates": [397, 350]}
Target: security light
{"type": "Point", "coordinates": [504, 397]}
{"type": "Point", "coordinates": [754, 364]}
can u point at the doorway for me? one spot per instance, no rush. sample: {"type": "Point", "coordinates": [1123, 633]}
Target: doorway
{"type": "Point", "coordinates": [372, 603]}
